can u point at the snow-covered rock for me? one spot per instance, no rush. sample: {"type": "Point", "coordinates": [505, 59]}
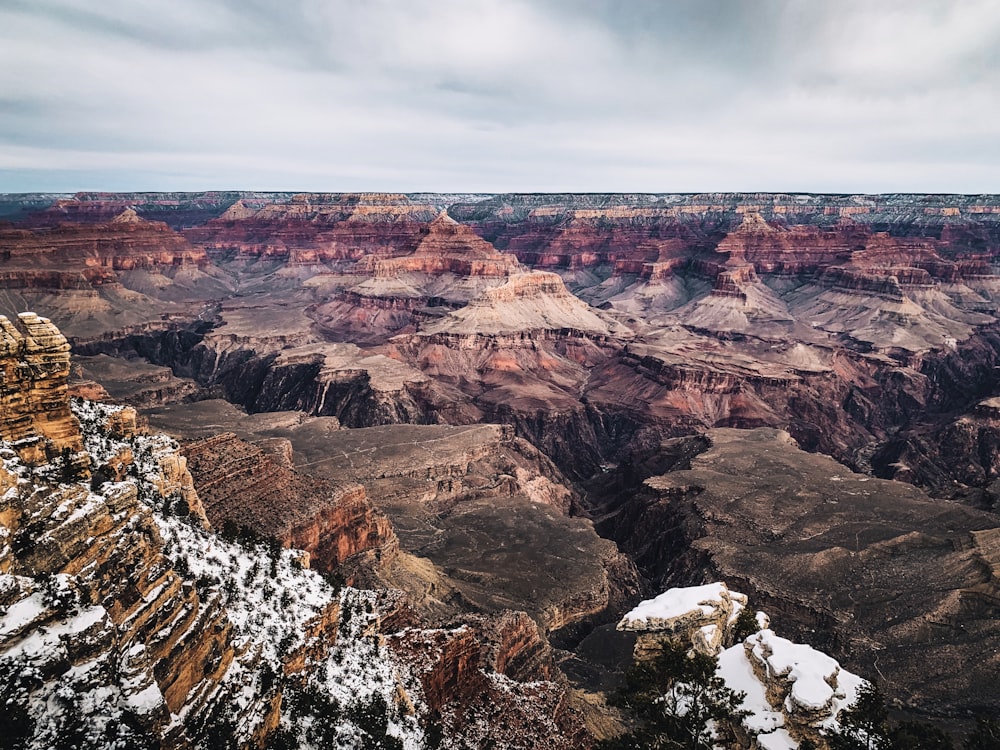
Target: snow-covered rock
{"type": "Point", "coordinates": [122, 616]}
{"type": "Point", "coordinates": [790, 690]}
{"type": "Point", "coordinates": [701, 615]}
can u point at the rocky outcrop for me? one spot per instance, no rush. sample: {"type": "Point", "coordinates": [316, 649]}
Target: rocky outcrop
{"type": "Point", "coordinates": [536, 301]}
{"type": "Point", "coordinates": [133, 382]}
{"type": "Point", "coordinates": [703, 616]}
{"type": "Point", "coordinates": [104, 601]}
{"type": "Point", "coordinates": [240, 484]}
{"type": "Point", "coordinates": [34, 402]}
{"type": "Point", "coordinates": [483, 668]}
{"type": "Point", "coordinates": [449, 266]}
{"type": "Point", "coordinates": [789, 692]}
{"type": "Point", "coordinates": [179, 662]}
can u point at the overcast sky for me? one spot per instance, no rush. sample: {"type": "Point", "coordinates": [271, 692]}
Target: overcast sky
{"type": "Point", "coordinates": [500, 95]}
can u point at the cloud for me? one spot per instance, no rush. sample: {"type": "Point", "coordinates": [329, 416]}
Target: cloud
{"type": "Point", "coordinates": [490, 95]}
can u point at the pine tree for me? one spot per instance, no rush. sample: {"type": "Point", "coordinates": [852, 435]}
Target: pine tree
{"type": "Point", "coordinates": [678, 701]}
{"type": "Point", "coordinates": [746, 625]}
{"type": "Point", "coordinates": [918, 735]}
{"type": "Point", "coordinates": [863, 723]}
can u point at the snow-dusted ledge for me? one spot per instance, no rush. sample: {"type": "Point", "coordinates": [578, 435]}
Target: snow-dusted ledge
{"type": "Point", "coordinates": [791, 690]}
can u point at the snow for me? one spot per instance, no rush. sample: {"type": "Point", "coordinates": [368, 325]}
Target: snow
{"type": "Point", "coordinates": [145, 701]}
{"type": "Point", "coordinates": [22, 613]}
{"type": "Point", "coordinates": [277, 609]}
{"type": "Point", "coordinates": [816, 686]}
{"type": "Point", "coordinates": [806, 668]}
{"type": "Point", "coordinates": [85, 620]}
{"type": "Point", "coordinates": [675, 603]}
{"type": "Point", "coordinates": [735, 669]}
{"type": "Point", "coordinates": [780, 739]}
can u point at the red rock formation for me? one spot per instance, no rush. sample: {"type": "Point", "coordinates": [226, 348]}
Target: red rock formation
{"type": "Point", "coordinates": [794, 250]}
{"type": "Point", "coordinates": [319, 228]}
{"type": "Point", "coordinates": [446, 247]}
{"type": "Point", "coordinates": [238, 482]}
{"type": "Point", "coordinates": [125, 243]}
{"type": "Point", "coordinates": [34, 402]}
{"type": "Point", "coordinates": [490, 679]}
{"type": "Point", "coordinates": [449, 662]}
{"type": "Point", "coordinates": [506, 643]}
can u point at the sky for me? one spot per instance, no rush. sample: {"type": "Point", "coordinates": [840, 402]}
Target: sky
{"type": "Point", "coordinates": [500, 95]}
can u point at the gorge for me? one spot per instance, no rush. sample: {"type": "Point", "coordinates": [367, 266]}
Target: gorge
{"type": "Point", "coordinates": [512, 417]}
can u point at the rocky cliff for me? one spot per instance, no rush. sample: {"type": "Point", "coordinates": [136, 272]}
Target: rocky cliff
{"type": "Point", "coordinates": [124, 619]}
{"type": "Point", "coordinates": [853, 299]}
{"type": "Point", "coordinates": [34, 402]}
{"type": "Point", "coordinates": [242, 485]}
{"type": "Point", "coordinates": [315, 228]}
{"type": "Point", "coordinates": [595, 327]}
{"type": "Point", "coordinates": [90, 599]}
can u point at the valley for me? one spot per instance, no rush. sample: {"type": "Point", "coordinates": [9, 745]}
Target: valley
{"type": "Point", "coordinates": [516, 415]}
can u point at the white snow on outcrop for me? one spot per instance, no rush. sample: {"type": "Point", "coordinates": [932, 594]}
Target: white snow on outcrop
{"type": "Point", "coordinates": [675, 603]}
{"type": "Point", "coordinates": [786, 685]}
{"type": "Point", "coordinates": [809, 671]}
{"type": "Point", "coordinates": [735, 669]}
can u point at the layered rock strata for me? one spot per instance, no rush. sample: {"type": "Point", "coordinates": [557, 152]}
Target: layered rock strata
{"type": "Point", "coordinates": [34, 402]}
{"type": "Point", "coordinates": [240, 484]}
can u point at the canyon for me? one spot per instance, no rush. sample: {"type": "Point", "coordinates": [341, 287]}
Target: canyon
{"type": "Point", "coordinates": [521, 413]}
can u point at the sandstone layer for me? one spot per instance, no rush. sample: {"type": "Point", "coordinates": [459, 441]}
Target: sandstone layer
{"type": "Point", "coordinates": [240, 484]}
{"type": "Point", "coordinates": [34, 401]}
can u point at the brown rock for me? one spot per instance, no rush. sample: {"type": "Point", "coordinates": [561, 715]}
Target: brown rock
{"type": "Point", "coordinates": [34, 401]}
{"type": "Point", "coordinates": [858, 567]}
{"type": "Point", "coordinates": [238, 482]}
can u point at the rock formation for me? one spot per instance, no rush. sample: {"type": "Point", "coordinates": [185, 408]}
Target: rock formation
{"type": "Point", "coordinates": [307, 229]}
{"type": "Point", "coordinates": [34, 402]}
{"type": "Point", "coordinates": [122, 616]}
{"type": "Point", "coordinates": [700, 615]}
{"type": "Point", "coordinates": [794, 311]}
{"type": "Point", "coordinates": [854, 565]}
{"type": "Point", "coordinates": [597, 328]}
{"type": "Point", "coordinates": [791, 691]}
{"type": "Point", "coordinates": [494, 669]}
{"type": "Point", "coordinates": [240, 484]}
{"type": "Point", "coordinates": [86, 571]}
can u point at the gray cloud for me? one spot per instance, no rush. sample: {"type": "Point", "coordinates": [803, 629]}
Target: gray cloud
{"type": "Point", "coordinates": [500, 95]}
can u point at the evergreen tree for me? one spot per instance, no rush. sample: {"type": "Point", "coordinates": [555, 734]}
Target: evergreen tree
{"type": "Point", "coordinates": [745, 625]}
{"type": "Point", "coordinates": [678, 701]}
{"type": "Point", "coordinates": [863, 723]}
{"type": "Point", "coordinates": [16, 724]}
{"type": "Point", "coordinates": [864, 726]}
{"type": "Point", "coordinates": [917, 735]}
